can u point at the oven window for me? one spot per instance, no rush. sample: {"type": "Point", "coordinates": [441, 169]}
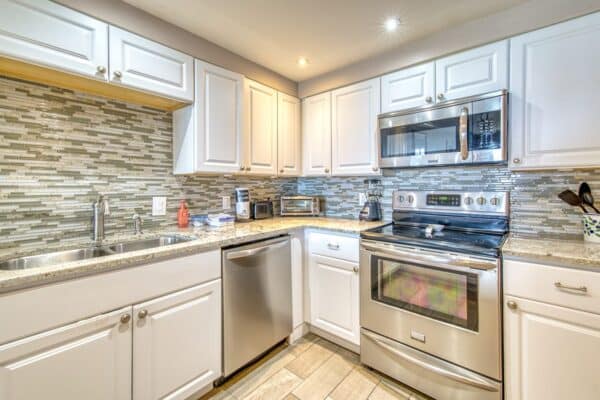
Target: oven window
{"type": "Point", "coordinates": [444, 295]}
{"type": "Point", "coordinates": [431, 137]}
{"type": "Point", "coordinates": [298, 205]}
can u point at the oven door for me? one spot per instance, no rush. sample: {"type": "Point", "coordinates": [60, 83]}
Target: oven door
{"type": "Point", "coordinates": [444, 304]}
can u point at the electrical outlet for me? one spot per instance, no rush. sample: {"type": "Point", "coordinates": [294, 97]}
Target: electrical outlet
{"type": "Point", "coordinates": [159, 205]}
{"type": "Point", "coordinates": [226, 202]}
{"type": "Point", "coordinates": [362, 198]}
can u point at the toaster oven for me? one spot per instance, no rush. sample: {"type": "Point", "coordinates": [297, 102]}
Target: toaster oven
{"type": "Point", "coordinates": [300, 205]}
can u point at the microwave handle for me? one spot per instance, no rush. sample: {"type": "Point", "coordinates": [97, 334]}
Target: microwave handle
{"type": "Point", "coordinates": [463, 131]}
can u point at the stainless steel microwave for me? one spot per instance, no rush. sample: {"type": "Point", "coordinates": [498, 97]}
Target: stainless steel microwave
{"type": "Point", "coordinates": [467, 131]}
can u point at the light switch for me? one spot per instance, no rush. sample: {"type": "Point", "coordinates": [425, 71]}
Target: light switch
{"type": "Point", "coordinates": [226, 202]}
{"type": "Point", "coordinates": [159, 205]}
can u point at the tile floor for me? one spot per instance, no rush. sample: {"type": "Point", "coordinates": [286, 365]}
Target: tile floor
{"type": "Point", "coordinates": [311, 369]}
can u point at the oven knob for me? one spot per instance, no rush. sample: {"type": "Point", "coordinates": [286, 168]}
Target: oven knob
{"type": "Point", "coordinates": [481, 201]}
{"type": "Point", "coordinates": [410, 198]}
{"type": "Point", "coordinates": [468, 201]}
{"type": "Point", "coordinates": [494, 201]}
{"type": "Point", "coordinates": [401, 198]}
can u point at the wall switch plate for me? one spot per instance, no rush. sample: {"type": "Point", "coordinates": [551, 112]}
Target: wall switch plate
{"type": "Point", "coordinates": [226, 202]}
{"type": "Point", "coordinates": [159, 205]}
{"type": "Point", "coordinates": [362, 198]}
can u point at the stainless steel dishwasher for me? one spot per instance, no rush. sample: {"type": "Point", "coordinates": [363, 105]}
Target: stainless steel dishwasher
{"type": "Point", "coordinates": [257, 300]}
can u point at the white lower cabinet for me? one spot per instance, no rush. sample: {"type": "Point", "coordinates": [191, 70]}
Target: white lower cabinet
{"type": "Point", "coordinates": [177, 343]}
{"type": "Point", "coordinates": [333, 286]}
{"type": "Point", "coordinates": [89, 359]}
{"type": "Point", "coordinates": [551, 332]}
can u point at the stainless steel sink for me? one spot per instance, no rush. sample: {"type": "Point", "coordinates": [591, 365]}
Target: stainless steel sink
{"type": "Point", "coordinates": [144, 244]}
{"type": "Point", "coordinates": [60, 257]}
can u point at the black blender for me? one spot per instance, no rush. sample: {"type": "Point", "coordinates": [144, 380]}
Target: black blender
{"type": "Point", "coordinates": [371, 210]}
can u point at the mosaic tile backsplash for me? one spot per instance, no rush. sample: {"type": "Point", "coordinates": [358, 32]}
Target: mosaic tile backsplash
{"type": "Point", "coordinates": [59, 149]}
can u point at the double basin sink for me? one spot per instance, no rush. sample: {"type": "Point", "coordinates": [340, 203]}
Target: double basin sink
{"type": "Point", "coordinates": [86, 253]}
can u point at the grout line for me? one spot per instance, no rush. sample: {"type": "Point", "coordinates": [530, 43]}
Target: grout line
{"type": "Point", "coordinates": [340, 382]}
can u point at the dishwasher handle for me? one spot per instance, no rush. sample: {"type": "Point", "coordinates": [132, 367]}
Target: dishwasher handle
{"type": "Point", "coordinates": [235, 255]}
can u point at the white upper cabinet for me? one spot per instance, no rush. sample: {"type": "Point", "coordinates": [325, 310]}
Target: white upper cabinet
{"type": "Point", "coordinates": [45, 33]}
{"type": "Point", "coordinates": [177, 343]}
{"type": "Point", "coordinates": [260, 129]}
{"type": "Point", "coordinates": [89, 359]}
{"type": "Point", "coordinates": [207, 136]}
{"type": "Point", "coordinates": [316, 135]}
{"type": "Point", "coordinates": [354, 111]}
{"type": "Point", "coordinates": [143, 64]}
{"type": "Point", "coordinates": [289, 145]}
{"type": "Point", "coordinates": [472, 72]}
{"type": "Point", "coordinates": [408, 88]}
{"type": "Point", "coordinates": [554, 96]}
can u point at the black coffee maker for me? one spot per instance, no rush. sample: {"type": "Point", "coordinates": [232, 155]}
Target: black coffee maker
{"type": "Point", "coordinates": [371, 210]}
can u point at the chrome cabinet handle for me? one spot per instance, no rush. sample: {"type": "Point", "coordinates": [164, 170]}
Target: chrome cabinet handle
{"type": "Point", "coordinates": [101, 69]}
{"type": "Point", "coordinates": [559, 285]}
{"type": "Point", "coordinates": [428, 99]}
{"type": "Point", "coordinates": [125, 318]}
{"type": "Point", "coordinates": [333, 246]}
{"type": "Point", "coordinates": [440, 96]}
{"type": "Point", "coordinates": [143, 314]}
{"type": "Point", "coordinates": [463, 130]}
{"type": "Point", "coordinates": [118, 74]}
{"type": "Point", "coordinates": [511, 304]}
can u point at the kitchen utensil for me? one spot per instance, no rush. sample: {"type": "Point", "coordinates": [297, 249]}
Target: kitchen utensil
{"type": "Point", "coordinates": [570, 197]}
{"type": "Point", "coordinates": [585, 194]}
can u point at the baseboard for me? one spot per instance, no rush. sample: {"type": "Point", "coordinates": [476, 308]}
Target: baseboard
{"type": "Point", "coordinates": [332, 338]}
{"type": "Point", "coordinates": [298, 332]}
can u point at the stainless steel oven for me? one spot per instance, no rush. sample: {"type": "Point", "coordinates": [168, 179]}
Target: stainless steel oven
{"type": "Point", "coordinates": [465, 131]}
{"type": "Point", "coordinates": [432, 316]}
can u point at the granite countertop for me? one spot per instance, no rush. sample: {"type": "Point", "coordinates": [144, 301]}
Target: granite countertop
{"type": "Point", "coordinates": [566, 253]}
{"type": "Point", "coordinates": [205, 238]}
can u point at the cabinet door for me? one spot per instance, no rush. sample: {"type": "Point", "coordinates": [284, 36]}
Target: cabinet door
{"type": "Point", "coordinates": [408, 88]}
{"type": "Point", "coordinates": [288, 135]}
{"type": "Point", "coordinates": [219, 126]}
{"type": "Point", "coordinates": [143, 64]}
{"type": "Point", "coordinates": [177, 343]}
{"type": "Point", "coordinates": [260, 130]}
{"type": "Point", "coordinates": [316, 135]}
{"type": "Point", "coordinates": [554, 96]}
{"type": "Point", "coordinates": [354, 111]}
{"type": "Point", "coordinates": [550, 352]}
{"type": "Point", "coordinates": [334, 302]}
{"type": "Point", "coordinates": [477, 71]}
{"type": "Point", "coordinates": [90, 359]}
{"type": "Point", "coordinates": [45, 33]}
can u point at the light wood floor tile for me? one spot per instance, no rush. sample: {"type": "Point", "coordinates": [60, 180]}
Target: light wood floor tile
{"type": "Point", "coordinates": [260, 375]}
{"type": "Point", "coordinates": [324, 379]}
{"type": "Point", "coordinates": [308, 362]}
{"type": "Point", "coordinates": [290, 397]}
{"type": "Point", "coordinates": [345, 353]}
{"type": "Point", "coordinates": [303, 344]}
{"type": "Point", "coordinates": [358, 385]}
{"type": "Point", "coordinates": [276, 387]}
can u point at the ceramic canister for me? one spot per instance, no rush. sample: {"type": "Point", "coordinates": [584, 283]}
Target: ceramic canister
{"type": "Point", "coordinates": [591, 227]}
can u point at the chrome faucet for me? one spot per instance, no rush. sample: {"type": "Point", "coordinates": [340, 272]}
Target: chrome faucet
{"type": "Point", "coordinates": [100, 210]}
{"type": "Point", "coordinates": [137, 224]}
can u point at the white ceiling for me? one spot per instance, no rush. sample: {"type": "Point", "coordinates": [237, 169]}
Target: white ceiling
{"type": "Point", "coordinates": [329, 33]}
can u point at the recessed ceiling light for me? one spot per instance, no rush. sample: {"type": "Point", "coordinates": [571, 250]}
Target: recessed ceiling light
{"type": "Point", "coordinates": [391, 24]}
{"type": "Point", "coordinates": [302, 61]}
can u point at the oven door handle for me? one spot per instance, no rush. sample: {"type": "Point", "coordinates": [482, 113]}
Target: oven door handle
{"type": "Point", "coordinates": [445, 260]}
{"type": "Point", "coordinates": [463, 130]}
{"type": "Point", "coordinates": [437, 367]}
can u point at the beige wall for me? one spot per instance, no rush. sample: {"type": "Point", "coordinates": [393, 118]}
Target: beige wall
{"type": "Point", "coordinates": [531, 15]}
{"type": "Point", "coordinates": [130, 18]}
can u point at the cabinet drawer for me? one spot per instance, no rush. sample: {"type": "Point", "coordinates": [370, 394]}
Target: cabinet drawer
{"type": "Point", "coordinates": [565, 287]}
{"type": "Point", "coordinates": [336, 246]}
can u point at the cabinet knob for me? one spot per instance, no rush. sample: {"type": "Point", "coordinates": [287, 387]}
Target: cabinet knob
{"type": "Point", "coordinates": [247, 168]}
{"type": "Point", "coordinates": [511, 304]}
{"type": "Point", "coordinates": [440, 96]}
{"type": "Point", "coordinates": [516, 160]}
{"type": "Point", "coordinates": [355, 269]}
{"type": "Point", "coordinates": [143, 314]}
{"type": "Point", "coordinates": [375, 169]}
{"type": "Point", "coordinates": [118, 74]}
{"type": "Point", "coordinates": [428, 99]}
{"type": "Point", "coordinates": [242, 168]}
{"type": "Point", "coordinates": [326, 170]}
{"type": "Point", "coordinates": [125, 318]}
{"type": "Point", "coordinates": [281, 171]}
{"type": "Point", "coordinates": [101, 69]}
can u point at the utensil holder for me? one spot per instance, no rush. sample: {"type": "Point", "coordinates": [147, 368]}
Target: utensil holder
{"type": "Point", "coordinates": [591, 227]}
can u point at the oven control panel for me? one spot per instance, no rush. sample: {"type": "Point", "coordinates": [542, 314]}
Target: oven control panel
{"type": "Point", "coordinates": [496, 203]}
